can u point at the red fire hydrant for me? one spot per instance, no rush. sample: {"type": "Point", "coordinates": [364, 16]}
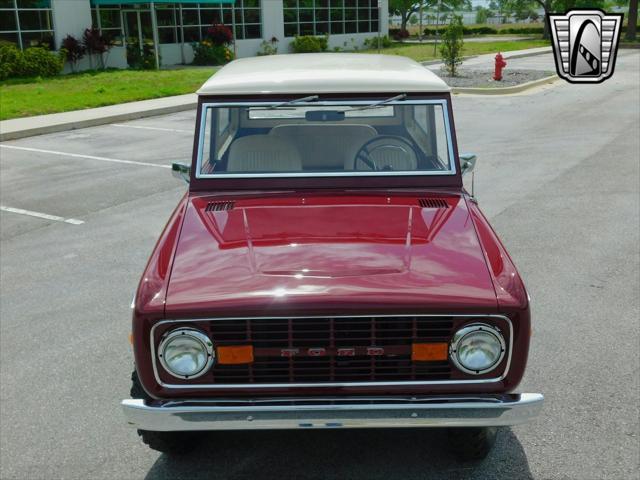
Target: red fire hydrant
{"type": "Point", "coordinates": [500, 64]}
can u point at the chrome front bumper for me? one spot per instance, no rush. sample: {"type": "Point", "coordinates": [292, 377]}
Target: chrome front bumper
{"type": "Point", "coordinates": [334, 412]}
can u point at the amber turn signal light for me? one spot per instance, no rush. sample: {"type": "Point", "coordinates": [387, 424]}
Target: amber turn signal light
{"type": "Point", "coordinates": [234, 355]}
{"type": "Point", "coordinates": [429, 352]}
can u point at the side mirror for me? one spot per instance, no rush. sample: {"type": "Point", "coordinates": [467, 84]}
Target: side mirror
{"type": "Point", "coordinates": [467, 162]}
{"type": "Point", "coordinates": [181, 171]}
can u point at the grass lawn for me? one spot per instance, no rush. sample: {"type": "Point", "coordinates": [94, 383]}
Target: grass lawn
{"type": "Point", "coordinates": [421, 52]}
{"type": "Point", "coordinates": [24, 98]}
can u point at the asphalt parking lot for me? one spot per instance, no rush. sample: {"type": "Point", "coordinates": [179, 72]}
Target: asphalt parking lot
{"type": "Point", "coordinates": [558, 176]}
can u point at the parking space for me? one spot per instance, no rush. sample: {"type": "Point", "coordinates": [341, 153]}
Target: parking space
{"type": "Point", "coordinates": [558, 177]}
{"type": "Point", "coordinates": [103, 166]}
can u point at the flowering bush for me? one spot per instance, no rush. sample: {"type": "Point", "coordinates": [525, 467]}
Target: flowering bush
{"type": "Point", "coordinates": [220, 34]}
{"type": "Point", "coordinates": [398, 33]}
{"type": "Point", "coordinates": [96, 43]}
{"type": "Point", "coordinates": [208, 53]}
{"type": "Point", "coordinates": [74, 50]}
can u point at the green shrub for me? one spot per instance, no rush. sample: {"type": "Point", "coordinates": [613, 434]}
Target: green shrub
{"type": "Point", "coordinates": [484, 30]}
{"type": "Point", "coordinates": [310, 44]}
{"type": "Point", "coordinates": [11, 61]}
{"type": "Point", "coordinates": [207, 53]}
{"type": "Point", "coordinates": [40, 62]}
{"type": "Point", "coordinates": [33, 62]}
{"type": "Point", "coordinates": [140, 60]}
{"type": "Point", "coordinates": [523, 30]}
{"type": "Point", "coordinates": [385, 42]}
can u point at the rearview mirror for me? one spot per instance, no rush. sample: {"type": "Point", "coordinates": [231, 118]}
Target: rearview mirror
{"type": "Point", "coordinates": [467, 162]}
{"type": "Point", "coordinates": [181, 171]}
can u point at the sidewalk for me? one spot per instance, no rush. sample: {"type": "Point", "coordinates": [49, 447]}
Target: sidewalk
{"type": "Point", "coordinates": [58, 122]}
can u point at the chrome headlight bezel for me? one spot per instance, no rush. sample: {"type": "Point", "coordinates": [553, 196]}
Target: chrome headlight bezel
{"type": "Point", "coordinates": [200, 338]}
{"type": "Point", "coordinates": [464, 333]}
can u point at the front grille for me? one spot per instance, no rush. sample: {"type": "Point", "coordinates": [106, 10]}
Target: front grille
{"type": "Point", "coordinates": [378, 348]}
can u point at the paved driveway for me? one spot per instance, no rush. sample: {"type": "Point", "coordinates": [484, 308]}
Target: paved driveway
{"type": "Point", "coordinates": [558, 177]}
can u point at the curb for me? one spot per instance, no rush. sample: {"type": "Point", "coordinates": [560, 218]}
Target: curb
{"type": "Point", "coordinates": [93, 119]}
{"type": "Point", "coordinates": [505, 90]}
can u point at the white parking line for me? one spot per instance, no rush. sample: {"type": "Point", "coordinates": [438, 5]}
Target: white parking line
{"type": "Point", "coordinates": [88, 157]}
{"type": "Point", "coordinates": [151, 128]}
{"type": "Point", "coordinates": [46, 216]}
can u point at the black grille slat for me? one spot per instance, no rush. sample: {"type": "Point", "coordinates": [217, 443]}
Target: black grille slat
{"type": "Point", "coordinates": [219, 206]}
{"type": "Point", "coordinates": [433, 203]}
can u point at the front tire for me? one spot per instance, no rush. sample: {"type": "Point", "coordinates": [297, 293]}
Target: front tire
{"type": "Point", "coordinates": [472, 444]}
{"type": "Point", "coordinates": [171, 443]}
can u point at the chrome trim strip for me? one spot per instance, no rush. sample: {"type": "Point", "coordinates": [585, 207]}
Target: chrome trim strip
{"type": "Point", "coordinates": [348, 412]}
{"type": "Point", "coordinates": [203, 114]}
{"type": "Point", "coordinates": [334, 384]}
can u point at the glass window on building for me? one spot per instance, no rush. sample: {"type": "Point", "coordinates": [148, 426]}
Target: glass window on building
{"type": "Point", "coordinates": [110, 22]}
{"type": "Point", "coordinates": [320, 17]}
{"type": "Point", "coordinates": [191, 21]}
{"type": "Point", "coordinates": [27, 23]}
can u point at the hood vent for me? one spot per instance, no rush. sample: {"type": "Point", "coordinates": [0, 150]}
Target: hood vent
{"type": "Point", "coordinates": [219, 206]}
{"type": "Point", "coordinates": [433, 203]}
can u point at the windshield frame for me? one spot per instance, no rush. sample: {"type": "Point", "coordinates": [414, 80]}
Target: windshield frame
{"type": "Point", "coordinates": [202, 125]}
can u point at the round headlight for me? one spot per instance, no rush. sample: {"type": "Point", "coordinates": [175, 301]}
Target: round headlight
{"type": "Point", "coordinates": [477, 348]}
{"type": "Point", "coordinates": [186, 353]}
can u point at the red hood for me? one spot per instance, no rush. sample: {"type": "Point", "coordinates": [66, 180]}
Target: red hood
{"type": "Point", "coordinates": [327, 252]}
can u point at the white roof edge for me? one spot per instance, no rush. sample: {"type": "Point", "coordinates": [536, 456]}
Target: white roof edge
{"type": "Point", "coordinates": [323, 73]}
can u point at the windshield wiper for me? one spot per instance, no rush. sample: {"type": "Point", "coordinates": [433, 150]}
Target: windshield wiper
{"type": "Point", "coordinates": [380, 103]}
{"type": "Point", "coordinates": [310, 98]}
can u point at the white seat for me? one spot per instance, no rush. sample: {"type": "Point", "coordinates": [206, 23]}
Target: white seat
{"type": "Point", "coordinates": [325, 147]}
{"type": "Point", "coordinates": [263, 153]}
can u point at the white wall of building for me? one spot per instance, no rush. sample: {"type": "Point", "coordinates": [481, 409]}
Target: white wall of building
{"type": "Point", "coordinates": [72, 17]}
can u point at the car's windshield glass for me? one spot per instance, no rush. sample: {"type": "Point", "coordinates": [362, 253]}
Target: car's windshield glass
{"type": "Point", "coordinates": [309, 138]}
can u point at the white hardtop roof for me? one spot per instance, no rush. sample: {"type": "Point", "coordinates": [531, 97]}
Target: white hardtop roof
{"type": "Point", "coordinates": [323, 73]}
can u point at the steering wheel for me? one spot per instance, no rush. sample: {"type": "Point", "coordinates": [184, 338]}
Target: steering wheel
{"type": "Point", "coordinates": [364, 153]}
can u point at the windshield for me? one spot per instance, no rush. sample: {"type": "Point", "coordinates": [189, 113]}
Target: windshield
{"type": "Point", "coordinates": [303, 137]}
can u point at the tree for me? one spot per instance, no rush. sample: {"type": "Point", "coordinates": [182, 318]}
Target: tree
{"type": "Point", "coordinates": [452, 44]}
{"type": "Point", "coordinates": [482, 14]}
{"type": "Point", "coordinates": [413, 20]}
{"type": "Point", "coordinates": [549, 6]}
{"type": "Point", "coordinates": [403, 8]}
{"type": "Point", "coordinates": [633, 20]}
